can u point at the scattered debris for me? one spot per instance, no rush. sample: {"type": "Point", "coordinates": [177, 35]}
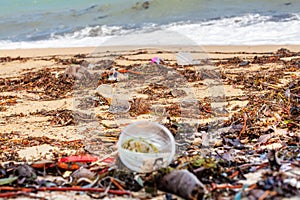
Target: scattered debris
{"type": "Point", "coordinates": [182, 183]}
{"type": "Point", "coordinates": [256, 156]}
{"type": "Point", "coordinates": [139, 106]}
{"type": "Point", "coordinates": [244, 63]}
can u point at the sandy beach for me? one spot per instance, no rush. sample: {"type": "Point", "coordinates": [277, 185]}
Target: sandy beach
{"type": "Point", "coordinates": [37, 95]}
{"type": "Point", "coordinates": [87, 50]}
{"type": "Point", "coordinates": [16, 63]}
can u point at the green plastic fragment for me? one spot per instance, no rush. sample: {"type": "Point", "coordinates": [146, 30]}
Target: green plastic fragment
{"type": "Point", "coordinates": [5, 181]}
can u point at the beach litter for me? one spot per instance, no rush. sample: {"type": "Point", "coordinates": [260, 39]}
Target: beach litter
{"type": "Point", "coordinates": [157, 60]}
{"type": "Point", "coordinates": [120, 103]}
{"type": "Point", "coordinates": [257, 154]}
{"type": "Point", "coordinates": [183, 183]}
{"type": "Point", "coordinates": [106, 91]}
{"type": "Point", "coordinates": [146, 146]}
{"type": "Point", "coordinates": [184, 58]}
{"type": "Point", "coordinates": [117, 75]}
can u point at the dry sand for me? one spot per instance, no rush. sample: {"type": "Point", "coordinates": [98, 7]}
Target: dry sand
{"type": "Point", "coordinates": [84, 50]}
{"type": "Point", "coordinates": [17, 117]}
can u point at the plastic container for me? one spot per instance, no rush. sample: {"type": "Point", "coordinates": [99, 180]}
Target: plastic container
{"type": "Point", "coordinates": [146, 146]}
{"type": "Point", "coordinates": [120, 104]}
{"type": "Point", "coordinates": [118, 100]}
{"type": "Point", "coordinates": [106, 91]}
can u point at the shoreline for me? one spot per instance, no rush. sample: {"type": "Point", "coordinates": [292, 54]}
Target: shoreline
{"type": "Point", "coordinates": [210, 49]}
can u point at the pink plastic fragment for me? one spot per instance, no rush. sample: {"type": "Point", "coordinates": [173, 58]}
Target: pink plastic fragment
{"type": "Point", "coordinates": [155, 60]}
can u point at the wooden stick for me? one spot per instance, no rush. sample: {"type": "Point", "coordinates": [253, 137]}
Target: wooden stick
{"type": "Point", "coordinates": [23, 191]}
{"type": "Point", "coordinates": [244, 125]}
{"type": "Point", "coordinates": [115, 182]}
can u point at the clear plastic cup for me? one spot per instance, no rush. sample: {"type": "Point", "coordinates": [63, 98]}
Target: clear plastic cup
{"type": "Point", "coordinates": [106, 91]}
{"type": "Point", "coordinates": [120, 104]}
{"type": "Point", "coordinates": [118, 100]}
{"type": "Point", "coordinates": [146, 146]}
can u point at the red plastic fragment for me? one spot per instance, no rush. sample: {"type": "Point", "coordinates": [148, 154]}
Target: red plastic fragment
{"type": "Point", "coordinates": [108, 160]}
{"type": "Point", "coordinates": [82, 158]}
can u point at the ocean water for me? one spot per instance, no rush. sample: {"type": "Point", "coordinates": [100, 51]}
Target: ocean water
{"type": "Point", "coordinates": [63, 23]}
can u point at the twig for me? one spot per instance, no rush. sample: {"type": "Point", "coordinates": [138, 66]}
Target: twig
{"type": "Point", "coordinates": [115, 182]}
{"type": "Point", "coordinates": [229, 186]}
{"type": "Point", "coordinates": [22, 191]}
{"type": "Point", "coordinates": [244, 125]}
{"type": "Point", "coordinates": [266, 194]}
{"type": "Point", "coordinates": [295, 123]}
{"type": "Point", "coordinates": [208, 110]}
{"type": "Point", "coordinates": [11, 194]}
{"type": "Point", "coordinates": [234, 174]}
{"type": "Point", "coordinates": [225, 186]}
{"type": "Point", "coordinates": [35, 91]}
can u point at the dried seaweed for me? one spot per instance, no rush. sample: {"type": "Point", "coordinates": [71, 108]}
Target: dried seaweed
{"type": "Point", "coordinates": [139, 106]}
{"type": "Point", "coordinates": [42, 82]}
